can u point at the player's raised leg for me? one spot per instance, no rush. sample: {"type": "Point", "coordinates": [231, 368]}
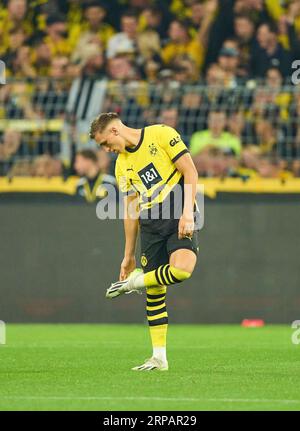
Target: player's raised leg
{"type": "Point", "coordinates": [180, 268]}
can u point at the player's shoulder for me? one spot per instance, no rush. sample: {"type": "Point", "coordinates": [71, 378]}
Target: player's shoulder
{"type": "Point", "coordinates": [161, 129]}
{"type": "Point", "coordinates": [159, 126]}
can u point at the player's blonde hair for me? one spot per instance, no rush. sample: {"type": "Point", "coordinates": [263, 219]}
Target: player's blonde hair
{"type": "Point", "coordinates": [99, 123]}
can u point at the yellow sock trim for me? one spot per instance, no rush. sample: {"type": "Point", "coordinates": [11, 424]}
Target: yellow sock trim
{"type": "Point", "coordinates": [178, 275]}
{"type": "Point", "coordinates": [155, 307]}
{"type": "Point", "coordinates": [158, 335]}
{"type": "Point", "coordinates": [150, 279]}
{"type": "Point", "coordinates": [158, 290]}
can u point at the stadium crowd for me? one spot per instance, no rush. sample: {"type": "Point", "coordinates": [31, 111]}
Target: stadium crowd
{"type": "Point", "coordinates": [219, 71]}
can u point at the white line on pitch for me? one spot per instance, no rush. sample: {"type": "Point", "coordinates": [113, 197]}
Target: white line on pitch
{"type": "Point", "coordinates": [226, 400]}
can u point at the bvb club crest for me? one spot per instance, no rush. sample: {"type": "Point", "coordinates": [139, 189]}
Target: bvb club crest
{"type": "Point", "coordinates": [153, 150]}
{"type": "Point", "coordinates": [144, 260]}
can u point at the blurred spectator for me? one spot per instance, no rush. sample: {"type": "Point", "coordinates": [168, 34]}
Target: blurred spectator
{"type": "Point", "coordinates": [257, 10]}
{"type": "Point", "coordinates": [41, 56]}
{"type": "Point", "coordinates": [51, 96]}
{"type": "Point", "coordinates": [9, 147]}
{"type": "Point", "coordinates": [94, 31]}
{"type": "Point", "coordinates": [215, 76]}
{"type": "Point", "coordinates": [269, 53]}
{"type": "Point", "coordinates": [21, 168]}
{"type": "Point", "coordinates": [57, 35]}
{"type": "Point", "coordinates": [192, 112]}
{"type": "Point", "coordinates": [93, 181]}
{"type": "Point", "coordinates": [46, 166]}
{"type": "Point", "coordinates": [185, 70]}
{"type": "Point", "coordinates": [21, 64]}
{"type": "Point", "coordinates": [148, 43]}
{"type": "Point", "coordinates": [215, 137]}
{"type": "Point", "coordinates": [169, 117]}
{"type": "Point", "coordinates": [10, 144]}
{"type": "Point", "coordinates": [266, 135]}
{"type": "Point", "coordinates": [17, 38]}
{"type": "Point", "coordinates": [292, 22]}
{"type": "Point", "coordinates": [249, 160]}
{"type": "Point", "coordinates": [264, 106]}
{"type": "Point", "coordinates": [236, 124]}
{"type": "Point", "coordinates": [229, 61]}
{"type": "Point", "coordinates": [294, 130]}
{"type": "Point", "coordinates": [296, 168]}
{"type": "Point", "coordinates": [214, 163]}
{"type": "Point", "coordinates": [58, 67]}
{"type": "Point", "coordinates": [274, 78]}
{"type": "Point", "coordinates": [268, 167]}
{"type": "Point", "coordinates": [231, 43]}
{"type": "Point", "coordinates": [120, 68]}
{"type": "Point", "coordinates": [271, 100]}
{"type": "Point", "coordinates": [182, 43]}
{"type": "Point", "coordinates": [125, 41]}
{"type": "Point", "coordinates": [100, 31]}
{"type": "Point", "coordinates": [279, 96]}
{"type": "Point", "coordinates": [215, 95]}
{"type": "Point", "coordinates": [16, 98]}
{"type": "Point", "coordinates": [152, 18]}
{"type": "Point", "coordinates": [244, 31]}
{"type": "Point", "coordinates": [13, 19]}
{"type": "Point", "coordinates": [151, 70]}
{"type": "Point", "coordinates": [92, 63]}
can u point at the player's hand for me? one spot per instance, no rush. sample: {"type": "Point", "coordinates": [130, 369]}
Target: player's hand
{"type": "Point", "coordinates": [186, 226]}
{"type": "Point", "coordinates": [127, 266]}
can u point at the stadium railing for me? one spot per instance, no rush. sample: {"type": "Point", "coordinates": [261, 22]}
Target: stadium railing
{"type": "Point", "coordinates": [53, 117]}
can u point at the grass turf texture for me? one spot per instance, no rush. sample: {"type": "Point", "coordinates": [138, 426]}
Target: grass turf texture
{"type": "Point", "coordinates": [87, 367]}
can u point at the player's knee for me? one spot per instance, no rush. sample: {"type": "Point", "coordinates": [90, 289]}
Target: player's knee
{"type": "Point", "coordinates": [180, 274]}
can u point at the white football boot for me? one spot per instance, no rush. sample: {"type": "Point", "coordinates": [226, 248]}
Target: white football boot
{"type": "Point", "coordinates": [125, 286]}
{"type": "Point", "coordinates": [152, 364]}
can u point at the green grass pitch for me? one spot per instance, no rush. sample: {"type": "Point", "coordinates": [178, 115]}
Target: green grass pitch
{"type": "Point", "coordinates": [87, 367]}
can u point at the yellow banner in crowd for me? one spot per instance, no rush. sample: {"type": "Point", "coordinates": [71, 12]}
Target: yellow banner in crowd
{"type": "Point", "coordinates": [38, 185]}
{"type": "Point", "coordinates": [254, 185]}
{"type": "Point", "coordinates": [32, 125]}
{"type": "Point", "coordinates": [211, 185]}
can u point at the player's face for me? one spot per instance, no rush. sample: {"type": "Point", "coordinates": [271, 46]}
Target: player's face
{"type": "Point", "coordinates": [110, 140]}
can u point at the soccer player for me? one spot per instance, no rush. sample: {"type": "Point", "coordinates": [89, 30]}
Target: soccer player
{"type": "Point", "coordinates": [152, 164]}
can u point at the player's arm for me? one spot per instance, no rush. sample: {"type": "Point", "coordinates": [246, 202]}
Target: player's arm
{"type": "Point", "coordinates": [186, 167]}
{"type": "Point", "coordinates": [131, 225]}
{"type": "Point", "coordinates": [180, 156]}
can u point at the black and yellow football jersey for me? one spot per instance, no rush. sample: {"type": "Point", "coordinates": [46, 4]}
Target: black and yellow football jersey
{"type": "Point", "coordinates": [149, 168]}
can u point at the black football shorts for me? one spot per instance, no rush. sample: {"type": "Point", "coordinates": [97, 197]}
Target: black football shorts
{"type": "Point", "coordinates": [158, 244]}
